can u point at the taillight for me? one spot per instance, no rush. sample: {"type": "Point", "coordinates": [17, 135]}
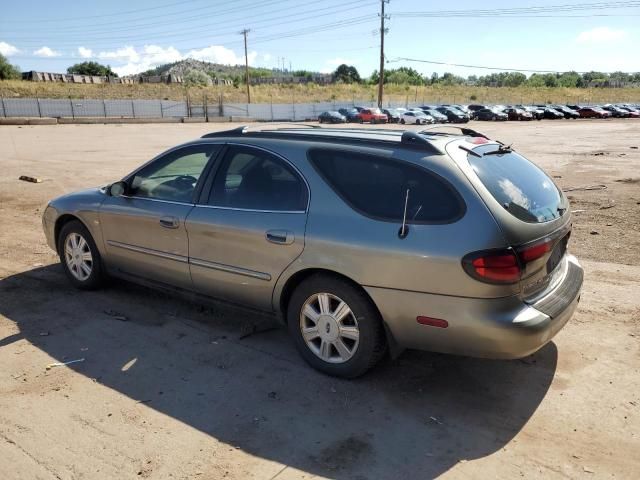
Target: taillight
{"type": "Point", "coordinates": [493, 266]}
{"type": "Point", "coordinates": [534, 252]}
{"type": "Point", "coordinates": [505, 265]}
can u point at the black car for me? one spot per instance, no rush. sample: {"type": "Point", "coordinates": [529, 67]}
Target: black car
{"type": "Point", "coordinates": [351, 114]}
{"type": "Point", "coordinates": [551, 113]}
{"type": "Point", "coordinates": [616, 112]}
{"type": "Point", "coordinates": [453, 115]}
{"type": "Point", "coordinates": [393, 116]}
{"type": "Point", "coordinates": [488, 114]}
{"type": "Point", "coordinates": [566, 111]}
{"type": "Point", "coordinates": [331, 117]}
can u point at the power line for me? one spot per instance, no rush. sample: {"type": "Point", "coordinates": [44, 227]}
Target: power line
{"type": "Point", "coordinates": [268, 21]}
{"type": "Point", "coordinates": [61, 19]}
{"type": "Point", "coordinates": [482, 67]}
{"type": "Point", "coordinates": [522, 11]}
{"type": "Point", "coordinates": [172, 19]}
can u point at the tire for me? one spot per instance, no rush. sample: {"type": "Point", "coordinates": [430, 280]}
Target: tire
{"type": "Point", "coordinates": [84, 272]}
{"type": "Point", "coordinates": [364, 342]}
{"type": "Point", "coordinates": [402, 121]}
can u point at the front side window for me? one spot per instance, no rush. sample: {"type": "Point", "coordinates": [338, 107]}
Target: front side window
{"type": "Point", "coordinates": [253, 179]}
{"type": "Point", "coordinates": [377, 187]}
{"type": "Point", "coordinates": [173, 176]}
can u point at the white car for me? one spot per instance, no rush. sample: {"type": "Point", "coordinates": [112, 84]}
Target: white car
{"type": "Point", "coordinates": [415, 117]}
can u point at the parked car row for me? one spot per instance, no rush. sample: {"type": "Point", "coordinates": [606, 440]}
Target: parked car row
{"type": "Point", "coordinates": [423, 115]}
{"type": "Point", "coordinates": [552, 112]}
{"type": "Point", "coordinates": [428, 114]}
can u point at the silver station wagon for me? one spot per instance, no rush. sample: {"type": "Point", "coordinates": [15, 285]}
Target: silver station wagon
{"type": "Point", "coordinates": [362, 241]}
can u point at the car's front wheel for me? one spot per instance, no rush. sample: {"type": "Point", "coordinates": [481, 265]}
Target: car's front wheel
{"type": "Point", "coordinates": [79, 256]}
{"type": "Point", "coordinates": [335, 326]}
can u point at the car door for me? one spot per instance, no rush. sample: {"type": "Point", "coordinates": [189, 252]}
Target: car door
{"type": "Point", "coordinates": [249, 227]}
{"type": "Point", "coordinates": [144, 229]}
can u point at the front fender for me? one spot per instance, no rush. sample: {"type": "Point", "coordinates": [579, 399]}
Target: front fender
{"type": "Point", "coordinates": [83, 206]}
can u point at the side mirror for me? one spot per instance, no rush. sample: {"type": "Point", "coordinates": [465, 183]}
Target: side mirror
{"type": "Point", "coordinates": [118, 189]}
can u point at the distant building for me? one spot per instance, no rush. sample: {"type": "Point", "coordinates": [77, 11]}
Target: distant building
{"type": "Point", "coordinates": [34, 76]}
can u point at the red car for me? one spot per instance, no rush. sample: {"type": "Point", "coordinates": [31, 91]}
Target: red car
{"type": "Point", "coordinates": [373, 115]}
{"type": "Point", "coordinates": [593, 112]}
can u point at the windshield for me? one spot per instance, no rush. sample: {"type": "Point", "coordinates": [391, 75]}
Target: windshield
{"type": "Point", "coordinates": [522, 188]}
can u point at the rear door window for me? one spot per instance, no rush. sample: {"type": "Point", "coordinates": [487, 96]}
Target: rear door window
{"type": "Point", "coordinates": [253, 179]}
{"type": "Point", "coordinates": [377, 186]}
{"type": "Point", "coordinates": [522, 188]}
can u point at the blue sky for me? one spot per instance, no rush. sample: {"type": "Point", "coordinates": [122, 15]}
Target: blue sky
{"type": "Point", "coordinates": [134, 36]}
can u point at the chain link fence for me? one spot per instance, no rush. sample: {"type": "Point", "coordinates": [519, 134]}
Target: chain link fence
{"type": "Point", "coordinates": [82, 108]}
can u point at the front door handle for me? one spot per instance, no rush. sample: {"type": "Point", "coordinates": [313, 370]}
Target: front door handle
{"type": "Point", "coordinates": [281, 237]}
{"type": "Point", "coordinates": [169, 222]}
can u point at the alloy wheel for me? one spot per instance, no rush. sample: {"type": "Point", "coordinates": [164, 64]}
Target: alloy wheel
{"type": "Point", "coordinates": [329, 328]}
{"type": "Point", "coordinates": [78, 257]}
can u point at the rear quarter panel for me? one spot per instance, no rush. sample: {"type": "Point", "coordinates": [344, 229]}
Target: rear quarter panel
{"type": "Point", "coordinates": [371, 253]}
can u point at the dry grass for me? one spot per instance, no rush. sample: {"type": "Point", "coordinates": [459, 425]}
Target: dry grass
{"type": "Point", "coordinates": [317, 93]}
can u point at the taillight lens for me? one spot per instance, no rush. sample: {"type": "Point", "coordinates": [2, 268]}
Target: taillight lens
{"type": "Point", "coordinates": [493, 266]}
{"type": "Point", "coordinates": [505, 265]}
{"type": "Point", "coordinates": [534, 252]}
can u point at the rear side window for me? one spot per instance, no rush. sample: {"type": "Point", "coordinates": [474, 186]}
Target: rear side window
{"type": "Point", "coordinates": [253, 179]}
{"type": "Point", "coordinates": [518, 185]}
{"type": "Point", "coordinates": [377, 187]}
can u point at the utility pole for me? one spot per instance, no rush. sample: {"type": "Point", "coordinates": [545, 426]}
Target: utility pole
{"type": "Point", "coordinates": [246, 63]}
{"type": "Point", "coordinates": [382, 32]}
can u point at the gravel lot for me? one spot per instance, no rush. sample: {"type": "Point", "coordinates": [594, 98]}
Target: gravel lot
{"type": "Point", "coordinates": [182, 391]}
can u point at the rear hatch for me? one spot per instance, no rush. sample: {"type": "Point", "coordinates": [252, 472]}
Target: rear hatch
{"type": "Point", "coordinates": [531, 210]}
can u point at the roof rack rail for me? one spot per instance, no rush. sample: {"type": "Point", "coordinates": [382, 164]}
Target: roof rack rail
{"type": "Point", "coordinates": [465, 131]}
{"type": "Point", "coordinates": [246, 129]}
{"type": "Point", "coordinates": [407, 138]}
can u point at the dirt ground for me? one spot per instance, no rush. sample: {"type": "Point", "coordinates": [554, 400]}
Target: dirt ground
{"type": "Point", "coordinates": [182, 391]}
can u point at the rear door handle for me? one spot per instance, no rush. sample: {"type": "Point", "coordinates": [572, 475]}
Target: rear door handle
{"type": "Point", "coordinates": [169, 222]}
{"type": "Point", "coordinates": [281, 237]}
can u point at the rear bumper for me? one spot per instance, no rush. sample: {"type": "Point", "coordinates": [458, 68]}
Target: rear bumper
{"type": "Point", "coordinates": [501, 328]}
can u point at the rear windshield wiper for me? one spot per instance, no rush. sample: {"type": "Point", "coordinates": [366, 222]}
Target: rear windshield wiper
{"type": "Point", "coordinates": [468, 150]}
{"type": "Point", "coordinates": [502, 149]}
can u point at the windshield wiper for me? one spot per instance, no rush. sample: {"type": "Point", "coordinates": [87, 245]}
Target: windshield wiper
{"type": "Point", "coordinates": [502, 149]}
{"type": "Point", "coordinates": [468, 150]}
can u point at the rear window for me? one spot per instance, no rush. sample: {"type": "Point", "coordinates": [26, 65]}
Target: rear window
{"type": "Point", "coordinates": [518, 185]}
{"type": "Point", "coordinates": [377, 187]}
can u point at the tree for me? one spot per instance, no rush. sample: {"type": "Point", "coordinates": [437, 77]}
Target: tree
{"type": "Point", "coordinates": [8, 71]}
{"type": "Point", "coordinates": [92, 68]}
{"type": "Point", "coordinates": [346, 74]}
{"type": "Point", "coordinates": [569, 80]}
{"type": "Point", "coordinates": [198, 78]}
{"type": "Point", "coordinates": [536, 80]}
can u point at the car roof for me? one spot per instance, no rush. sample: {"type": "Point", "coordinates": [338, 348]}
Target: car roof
{"type": "Point", "coordinates": [430, 140]}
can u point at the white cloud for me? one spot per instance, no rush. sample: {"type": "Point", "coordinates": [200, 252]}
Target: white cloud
{"type": "Point", "coordinates": [129, 61]}
{"type": "Point", "coordinates": [7, 49]}
{"type": "Point", "coordinates": [125, 54]}
{"type": "Point", "coordinates": [333, 63]}
{"type": "Point", "coordinates": [266, 57]}
{"type": "Point", "coordinates": [138, 61]}
{"type": "Point", "coordinates": [222, 55]}
{"type": "Point", "coordinates": [85, 52]}
{"type": "Point", "coordinates": [46, 52]}
{"type": "Point", "coordinates": [601, 34]}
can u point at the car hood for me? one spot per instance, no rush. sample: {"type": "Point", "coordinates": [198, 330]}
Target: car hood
{"type": "Point", "coordinates": [88, 198]}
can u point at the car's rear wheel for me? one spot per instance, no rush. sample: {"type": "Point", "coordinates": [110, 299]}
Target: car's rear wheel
{"type": "Point", "coordinates": [335, 326]}
{"type": "Point", "coordinates": [79, 256]}
{"type": "Point", "coordinates": [402, 121]}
